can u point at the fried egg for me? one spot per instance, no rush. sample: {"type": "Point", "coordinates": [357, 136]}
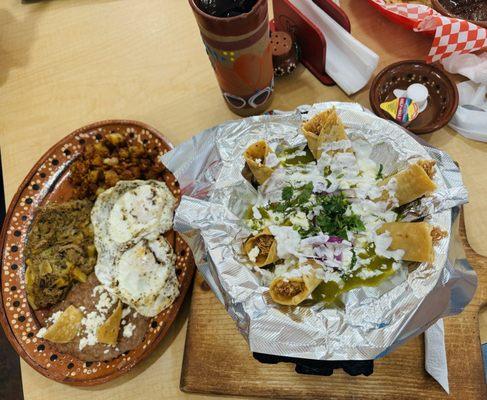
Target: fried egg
{"type": "Point", "coordinates": [132, 210]}
{"type": "Point", "coordinates": [135, 262]}
{"type": "Point", "coordinates": [143, 277]}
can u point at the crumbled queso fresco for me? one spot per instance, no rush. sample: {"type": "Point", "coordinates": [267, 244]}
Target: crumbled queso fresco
{"type": "Point", "coordinates": [51, 320]}
{"type": "Point", "coordinates": [128, 330]}
{"type": "Point", "coordinates": [92, 321]}
{"type": "Point", "coordinates": [327, 211]}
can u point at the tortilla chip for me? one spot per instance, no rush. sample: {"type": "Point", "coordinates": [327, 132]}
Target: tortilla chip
{"type": "Point", "coordinates": [415, 238]}
{"type": "Point", "coordinates": [411, 183]}
{"type": "Point", "coordinates": [293, 291]}
{"type": "Point", "coordinates": [108, 332]}
{"type": "Point", "coordinates": [324, 127]}
{"type": "Point", "coordinates": [66, 326]}
{"type": "Point", "coordinates": [267, 246]}
{"type": "Point", "coordinates": [258, 151]}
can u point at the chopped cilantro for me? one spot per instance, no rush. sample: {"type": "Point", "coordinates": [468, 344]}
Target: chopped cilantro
{"type": "Point", "coordinates": [333, 220]}
{"type": "Point", "coordinates": [305, 194]}
{"type": "Point", "coordinates": [287, 193]}
{"type": "Point", "coordinates": [293, 198]}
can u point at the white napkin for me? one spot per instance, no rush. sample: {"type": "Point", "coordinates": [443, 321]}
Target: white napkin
{"type": "Point", "coordinates": [348, 62]}
{"type": "Point", "coordinates": [470, 119]}
{"type": "Point", "coordinates": [435, 354]}
{"type": "Point", "coordinates": [473, 66]}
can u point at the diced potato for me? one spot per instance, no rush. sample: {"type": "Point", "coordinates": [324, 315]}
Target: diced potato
{"type": "Point", "coordinates": [79, 275]}
{"type": "Point", "coordinates": [61, 282]}
{"type": "Point", "coordinates": [111, 178]}
{"type": "Point", "coordinates": [101, 149]}
{"type": "Point", "coordinates": [114, 138]}
{"type": "Point", "coordinates": [112, 161]}
{"type": "Point", "coordinates": [94, 175]}
{"type": "Point", "coordinates": [91, 249]}
{"type": "Point", "coordinates": [45, 268]}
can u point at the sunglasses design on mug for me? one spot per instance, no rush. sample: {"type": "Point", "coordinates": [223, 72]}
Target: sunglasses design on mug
{"type": "Point", "coordinates": [254, 101]}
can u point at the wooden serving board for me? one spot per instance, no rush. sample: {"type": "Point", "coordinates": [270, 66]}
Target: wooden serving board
{"type": "Point", "coordinates": [217, 359]}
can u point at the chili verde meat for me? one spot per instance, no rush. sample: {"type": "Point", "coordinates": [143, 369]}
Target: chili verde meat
{"type": "Point", "coordinates": [59, 252]}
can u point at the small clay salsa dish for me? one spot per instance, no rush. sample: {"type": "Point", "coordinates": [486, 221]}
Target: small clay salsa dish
{"type": "Point", "coordinates": [50, 182]}
{"type": "Point", "coordinates": [442, 98]}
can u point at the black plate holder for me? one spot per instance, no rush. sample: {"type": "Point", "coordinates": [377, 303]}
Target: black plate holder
{"type": "Point", "coordinates": [319, 367]}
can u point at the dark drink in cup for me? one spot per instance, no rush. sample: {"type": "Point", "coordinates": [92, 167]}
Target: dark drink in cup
{"type": "Point", "coordinates": [236, 37]}
{"type": "Point", "coordinates": [226, 8]}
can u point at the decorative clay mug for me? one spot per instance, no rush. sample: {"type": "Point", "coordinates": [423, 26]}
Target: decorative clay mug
{"type": "Point", "coordinates": [240, 53]}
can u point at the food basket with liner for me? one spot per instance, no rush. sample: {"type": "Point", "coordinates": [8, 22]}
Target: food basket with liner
{"type": "Point", "coordinates": [452, 35]}
{"type": "Point", "coordinates": [374, 320]}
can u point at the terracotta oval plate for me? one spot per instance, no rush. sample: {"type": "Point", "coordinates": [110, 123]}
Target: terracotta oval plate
{"type": "Point", "coordinates": [48, 181]}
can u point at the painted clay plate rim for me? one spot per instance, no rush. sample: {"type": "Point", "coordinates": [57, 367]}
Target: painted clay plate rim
{"type": "Point", "coordinates": [91, 372]}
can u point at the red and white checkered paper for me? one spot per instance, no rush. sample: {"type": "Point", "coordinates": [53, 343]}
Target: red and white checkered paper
{"type": "Point", "coordinates": [452, 35]}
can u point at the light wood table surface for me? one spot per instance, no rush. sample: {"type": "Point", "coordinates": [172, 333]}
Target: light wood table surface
{"type": "Point", "coordinates": [66, 63]}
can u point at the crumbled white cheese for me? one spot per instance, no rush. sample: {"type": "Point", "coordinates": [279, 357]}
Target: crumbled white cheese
{"type": "Point", "coordinates": [300, 220]}
{"type": "Point", "coordinates": [302, 269]}
{"type": "Point", "coordinates": [105, 302]}
{"type": "Point", "coordinates": [54, 317]}
{"type": "Point", "coordinates": [330, 276]}
{"type": "Point", "coordinates": [41, 332]}
{"type": "Point", "coordinates": [128, 330]}
{"type": "Point", "coordinates": [287, 240]}
{"type": "Point", "coordinates": [126, 311]}
{"type": "Point", "coordinates": [94, 319]}
{"type": "Point", "coordinates": [90, 323]}
{"type": "Point", "coordinates": [253, 254]}
{"type": "Point", "coordinates": [97, 290]}
{"type": "Point", "coordinates": [366, 273]}
{"type": "Point", "coordinates": [49, 321]}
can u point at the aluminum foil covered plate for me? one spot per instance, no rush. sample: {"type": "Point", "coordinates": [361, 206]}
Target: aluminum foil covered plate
{"type": "Point", "coordinates": [371, 320]}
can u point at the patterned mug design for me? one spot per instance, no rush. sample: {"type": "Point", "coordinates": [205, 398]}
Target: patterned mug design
{"type": "Point", "coordinates": [246, 79]}
{"type": "Point", "coordinates": [240, 52]}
